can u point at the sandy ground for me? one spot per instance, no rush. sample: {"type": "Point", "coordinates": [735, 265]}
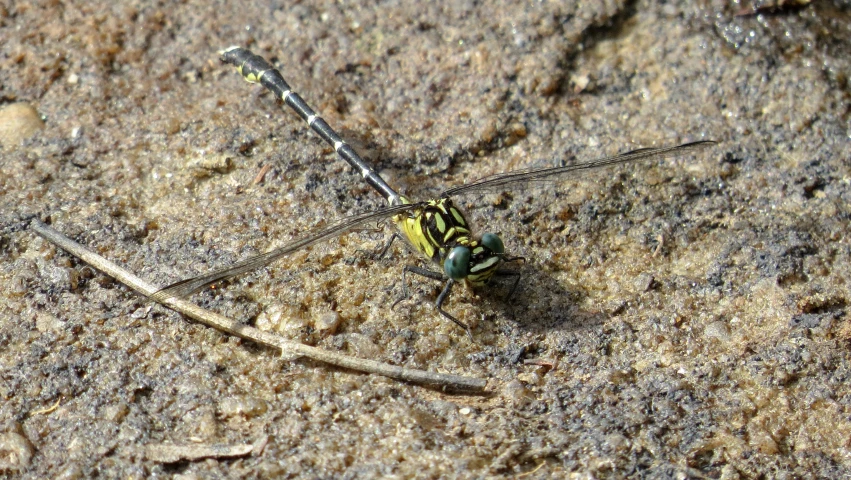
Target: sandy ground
{"type": "Point", "coordinates": [694, 309]}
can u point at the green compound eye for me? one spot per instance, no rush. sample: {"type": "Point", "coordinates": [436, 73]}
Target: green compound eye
{"type": "Point", "coordinates": [457, 264]}
{"type": "Point", "coordinates": [494, 243]}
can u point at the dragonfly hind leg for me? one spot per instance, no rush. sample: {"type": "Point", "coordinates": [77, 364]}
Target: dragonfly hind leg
{"type": "Point", "coordinates": [380, 254]}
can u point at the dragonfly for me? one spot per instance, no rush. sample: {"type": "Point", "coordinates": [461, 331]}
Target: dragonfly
{"type": "Point", "coordinates": [436, 228]}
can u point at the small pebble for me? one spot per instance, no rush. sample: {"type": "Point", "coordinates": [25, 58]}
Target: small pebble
{"type": "Point", "coordinates": [517, 392]}
{"type": "Point", "coordinates": [644, 282]}
{"type": "Point", "coordinates": [328, 322]}
{"type": "Point", "coordinates": [47, 322]}
{"type": "Point", "coordinates": [116, 412]}
{"type": "Point", "coordinates": [18, 122]}
{"type": "Point", "coordinates": [247, 407]}
{"type": "Point", "coordinates": [16, 452]}
{"type": "Point", "coordinates": [71, 472]}
{"type": "Point", "coordinates": [717, 330]}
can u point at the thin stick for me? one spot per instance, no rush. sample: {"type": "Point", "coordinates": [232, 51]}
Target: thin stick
{"type": "Point", "coordinates": [288, 348]}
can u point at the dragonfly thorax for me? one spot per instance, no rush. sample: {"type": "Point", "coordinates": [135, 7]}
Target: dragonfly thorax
{"type": "Point", "coordinates": [440, 231]}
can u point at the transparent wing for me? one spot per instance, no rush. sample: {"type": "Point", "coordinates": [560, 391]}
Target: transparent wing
{"type": "Point", "coordinates": [192, 285]}
{"type": "Point", "coordinates": [530, 176]}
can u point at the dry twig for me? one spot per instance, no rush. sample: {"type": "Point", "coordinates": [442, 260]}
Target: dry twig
{"type": "Point", "coordinates": [288, 348]}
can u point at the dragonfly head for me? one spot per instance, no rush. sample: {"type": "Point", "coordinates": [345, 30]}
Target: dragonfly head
{"type": "Point", "coordinates": [475, 262]}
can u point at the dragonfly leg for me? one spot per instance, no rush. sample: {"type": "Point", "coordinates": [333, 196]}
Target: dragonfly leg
{"type": "Point", "coordinates": [439, 305]}
{"type": "Point", "coordinates": [510, 273]}
{"type": "Point", "coordinates": [386, 247]}
{"type": "Point", "coordinates": [423, 272]}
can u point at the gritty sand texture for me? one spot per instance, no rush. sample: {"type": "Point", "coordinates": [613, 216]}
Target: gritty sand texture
{"type": "Point", "coordinates": [695, 309]}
